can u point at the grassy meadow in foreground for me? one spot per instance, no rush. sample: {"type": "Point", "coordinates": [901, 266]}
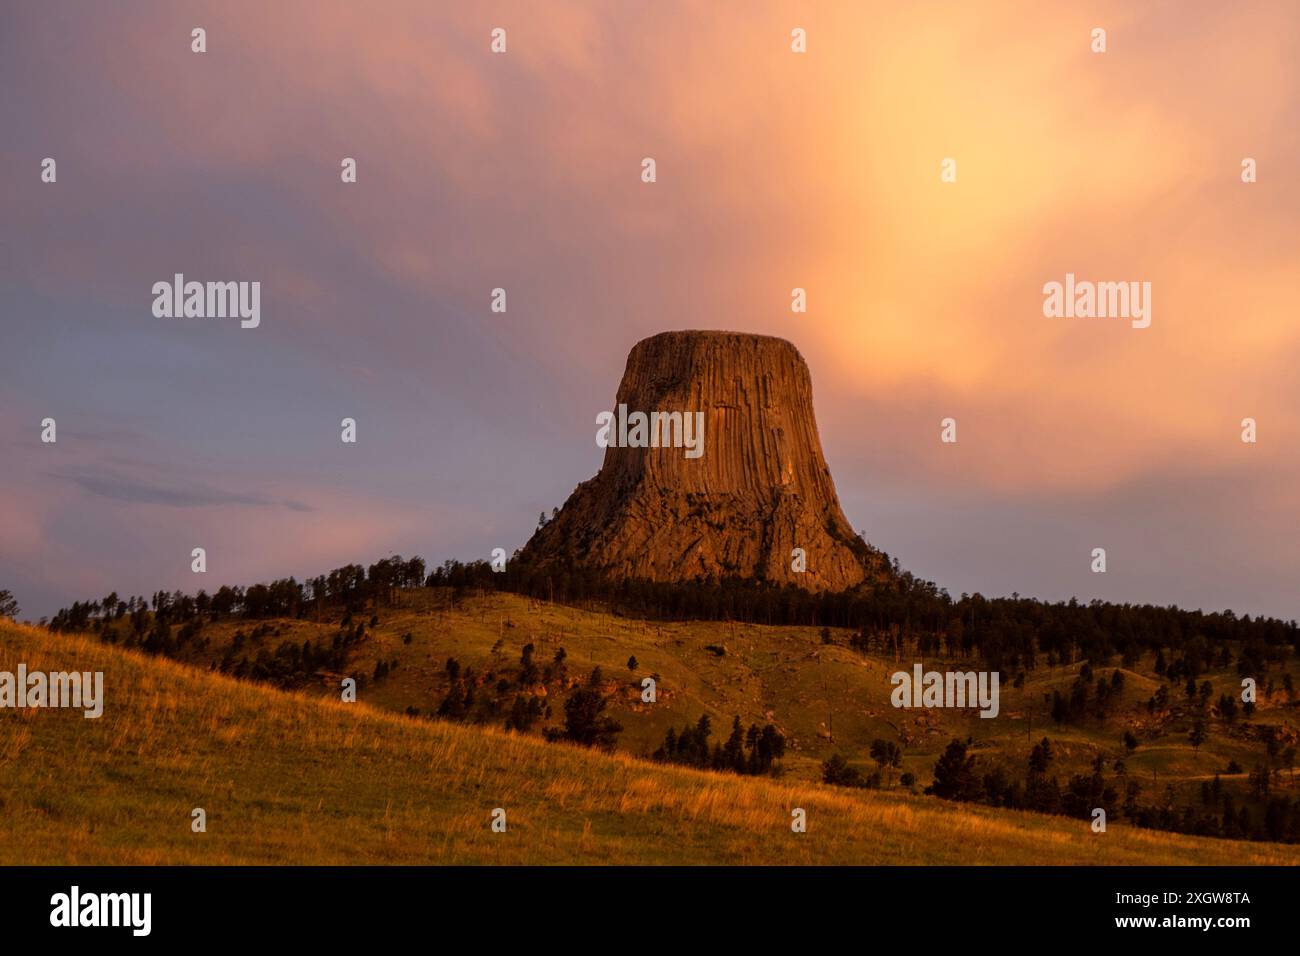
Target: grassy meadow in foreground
{"type": "Point", "coordinates": [295, 778]}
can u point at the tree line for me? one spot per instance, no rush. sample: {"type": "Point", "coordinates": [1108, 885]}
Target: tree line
{"type": "Point", "coordinates": [902, 615]}
{"type": "Point", "coordinates": [1263, 814]}
{"type": "Point", "coordinates": [897, 614]}
{"type": "Point", "coordinates": [750, 752]}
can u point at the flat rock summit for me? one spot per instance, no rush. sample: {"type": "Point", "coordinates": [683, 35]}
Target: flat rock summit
{"type": "Point", "coordinates": [758, 489]}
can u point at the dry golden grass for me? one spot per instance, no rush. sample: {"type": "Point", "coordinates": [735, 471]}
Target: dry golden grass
{"type": "Point", "coordinates": [292, 778]}
{"type": "Point", "coordinates": [824, 698]}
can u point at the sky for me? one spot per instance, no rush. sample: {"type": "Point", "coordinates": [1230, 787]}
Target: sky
{"type": "Point", "coordinates": [522, 170]}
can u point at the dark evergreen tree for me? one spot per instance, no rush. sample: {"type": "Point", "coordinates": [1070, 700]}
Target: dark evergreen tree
{"type": "Point", "coordinates": [584, 722]}
{"type": "Point", "coordinates": [954, 775]}
{"type": "Point", "coordinates": [836, 771]}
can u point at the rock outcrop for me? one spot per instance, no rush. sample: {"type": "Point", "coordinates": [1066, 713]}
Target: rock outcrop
{"type": "Point", "coordinates": [759, 488]}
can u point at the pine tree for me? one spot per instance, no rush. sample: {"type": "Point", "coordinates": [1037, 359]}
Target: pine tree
{"type": "Point", "coordinates": [453, 705]}
{"type": "Point", "coordinates": [888, 757]}
{"type": "Point", "coordinates": [837, 772]}
{"type": "Point", "coordinates": [584, 723]}
{"type": "Point", "coordinates": [1041, 756]}
{"type": "Point", "coordinates": [733, 753]}
{"type": "Point", "coordinates": [954, 775]}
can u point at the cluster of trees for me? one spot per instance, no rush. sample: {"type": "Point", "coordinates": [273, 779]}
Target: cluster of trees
{"type": "Point", "coordinates": [460, 700]}
{"type": "Point", "coordinates": [171, 623]}
{"type": "Point", "coordinates": [351, 587]}
{"type": "Point", "coordinates": [1087, 697]}
{"type": "Point", "coordinates": [752, 752]}
{"type": "Point", "coordinates": [1198, 698]}
{"type": "Point", "coordinates": [585, 722]}
{"type": "Point", "coordinates": [290, 664]}
{"type": "Point", "coordinates": [1263, 815]}
{"type": "Point", "coordinates": [470, 698]}
{"type": "Point", "coordinates": [888, 757]}
{"type": "Point", "coordinates": [526, 711]}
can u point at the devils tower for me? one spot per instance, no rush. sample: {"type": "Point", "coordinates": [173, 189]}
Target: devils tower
{"type": "Point", "coordinates": [759, 489]}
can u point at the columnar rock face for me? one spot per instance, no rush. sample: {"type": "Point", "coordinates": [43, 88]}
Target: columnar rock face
{"type": "Point", "coordinates": [759, 490]}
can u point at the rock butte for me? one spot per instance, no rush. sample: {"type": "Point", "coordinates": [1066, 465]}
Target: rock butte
{"type": "Point", "coordinates": [761, 488]}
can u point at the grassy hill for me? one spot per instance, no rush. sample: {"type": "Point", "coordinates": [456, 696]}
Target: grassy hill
{"type": "Point", "coordinates": [303, 778]}
{"type": "Point", "coordinates": [826, 698]}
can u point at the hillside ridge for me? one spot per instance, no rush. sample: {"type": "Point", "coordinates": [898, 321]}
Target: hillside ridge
{"type": "Point", "coordinates": [283, 778]}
